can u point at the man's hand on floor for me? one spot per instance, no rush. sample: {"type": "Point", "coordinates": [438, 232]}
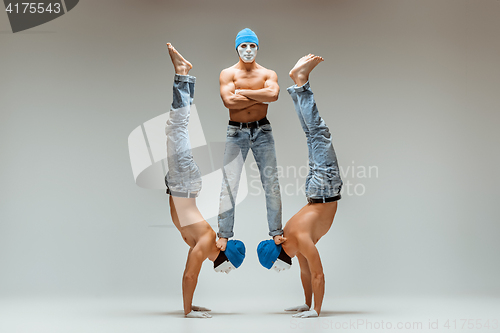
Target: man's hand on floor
{"type": "Point", "coordinates": [306, 314]}
{"type": "Point", "coordinates": [300, 308]}
{"type": "Point", "coordinates": [197, 314]}
{"type": "Point", "coordinates": [199, 308]}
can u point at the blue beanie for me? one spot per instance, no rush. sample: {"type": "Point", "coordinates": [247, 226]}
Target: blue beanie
{"type": "Point", "coordinates": [268, 253]}
{"type": "Point", "coordinates": [246, 36]}
{"type": "Point", "coordinates": [235, 252]}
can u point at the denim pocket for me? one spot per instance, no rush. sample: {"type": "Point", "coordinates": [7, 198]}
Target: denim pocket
{"type": "Point", "coordinates": [266, 128]}
{"type": "Point", "coordinates": [232, 131]}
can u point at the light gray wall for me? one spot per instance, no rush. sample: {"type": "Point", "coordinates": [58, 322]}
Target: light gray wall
{"type": "Point", "coordinates": [409, 87]}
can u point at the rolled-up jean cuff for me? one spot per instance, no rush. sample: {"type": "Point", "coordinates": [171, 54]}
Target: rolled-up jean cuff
{"type": "Point", "coordinates": [184, 78]}
{"type": "Point", "coordinates": [225, 234]}
{"type": "Point", "coordinates": [276, 233]}
{"type": "Point", "coordinates": [298, 89]}
{"type": "Point", "coordinates": [182, 194]}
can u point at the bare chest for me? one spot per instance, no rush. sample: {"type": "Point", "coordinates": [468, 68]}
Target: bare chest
{"type": "Point", "coordinates": [249, 80]}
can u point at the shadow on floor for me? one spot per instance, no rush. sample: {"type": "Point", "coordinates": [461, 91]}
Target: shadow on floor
{"type": "Point", "coordinates": [177, 314]}
{"type": "Point", "coordinates": [326, 313]}
{"type": "Point", "coordinates": [343, 313]}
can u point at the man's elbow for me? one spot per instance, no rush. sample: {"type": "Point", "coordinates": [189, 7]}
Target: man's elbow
{"type": "Point", "coordinates": [274, 96]}
{"type": "Point", "coordinates": [189, 278]}
{"type": "Point", "coordinates": [318, 277]}
{"type": "Point", "coordinates": [227, 104]}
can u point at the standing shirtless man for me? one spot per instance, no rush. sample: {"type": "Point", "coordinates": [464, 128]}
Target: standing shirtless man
{"type": "Point", "coordinates": [323, 185]}
{"type": "Point", "coordinates": [245, 89]}
{"type": "Point", "coordinates": [183, 182]}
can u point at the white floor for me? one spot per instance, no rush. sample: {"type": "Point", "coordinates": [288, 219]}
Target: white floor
{"type": "Point", "coordinates": [465, 314]}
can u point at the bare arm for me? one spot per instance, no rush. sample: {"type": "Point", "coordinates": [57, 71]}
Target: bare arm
{"type": "Point", "coordinates": [305, 277]}
{"type": "Point", "coordinates": [269, 93]}
{"type": "Point", "coordinates": [231, 100]}
{"type": "Point", "coordinates": [196, 257]}
{"type": "Point", "coordinates": [309, 251]}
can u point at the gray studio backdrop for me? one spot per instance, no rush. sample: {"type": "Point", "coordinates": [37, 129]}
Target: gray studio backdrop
{"type": "Point", "coordinates": [408, 88]}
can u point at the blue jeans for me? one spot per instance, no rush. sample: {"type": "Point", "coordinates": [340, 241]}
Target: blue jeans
{"type": "Point", "coordinates": [323, 180]}
{"type": "Point", "coordinates": [238, 142]}
{"type": "Point", "coordinates": [183, 178]}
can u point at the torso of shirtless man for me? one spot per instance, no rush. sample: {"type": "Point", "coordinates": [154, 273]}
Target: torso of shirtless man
{"type": "Point", "coordinates": [198, 234]}
{"type": "Point", "coordinates": [237, 80]}
{"type": "Point", "coordinates": [309, 224]}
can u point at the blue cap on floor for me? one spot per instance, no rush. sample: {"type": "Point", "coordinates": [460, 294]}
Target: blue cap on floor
{"type": "Point", "coordinates": [246, 36]}
{"type": "Point", "coordinates": [235, 252]}
{"type": "Point", "coordinates": [268, 253]}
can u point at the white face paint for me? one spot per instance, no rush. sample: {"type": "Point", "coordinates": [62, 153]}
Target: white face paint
{"type": "Point", "coordinates": [280, 265]}
{"type": "Point", "coordinates": [225, 267]}
{"type": "Point", "coordinates": [247, 52]}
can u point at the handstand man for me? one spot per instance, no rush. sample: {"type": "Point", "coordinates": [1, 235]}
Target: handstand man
{"type": "Point", "coordinates": [245, 89]}
{"type": "Point", "coordinates": [183, 182]}
{"type": "Point", "coordinates": [323, 185]}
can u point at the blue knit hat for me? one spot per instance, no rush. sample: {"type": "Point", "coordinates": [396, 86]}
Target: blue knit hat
{"type": "Point", "coordinates": [246, 36]}
{"type": "Point", "coordinates": [235, 252]}
{"type": "Point", "coordinates": [268, 253]}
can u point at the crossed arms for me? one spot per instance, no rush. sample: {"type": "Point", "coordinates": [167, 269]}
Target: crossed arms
{"type": "Point", "coordinates": [243, 98]}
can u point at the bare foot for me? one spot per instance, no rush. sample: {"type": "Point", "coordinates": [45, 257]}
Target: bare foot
{"type": "Point", "coordinates": [300, 72]}
{"type": "Point", "coordinates": [181, 65]}
{"type": "Point", "coordinates": [221, 244]}
{"type": "Point", "coordinates": [279, 239]}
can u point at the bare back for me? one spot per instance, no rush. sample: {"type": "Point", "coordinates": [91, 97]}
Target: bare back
{"type": "Point", "coordinates": [312, 222]}
{"type": "Point", "coordinates": [191, 233]}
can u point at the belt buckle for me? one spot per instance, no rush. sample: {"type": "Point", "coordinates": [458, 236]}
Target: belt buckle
{"type": "Point", "coordinates": [309, 200]}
